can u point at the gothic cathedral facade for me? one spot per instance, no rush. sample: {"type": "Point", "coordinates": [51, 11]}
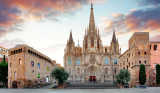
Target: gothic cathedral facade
{"type": "Point", "coordinates": [93, 61]}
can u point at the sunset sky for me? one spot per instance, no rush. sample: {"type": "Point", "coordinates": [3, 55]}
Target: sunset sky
{"type": "Point", "coordinates": [45, 24]}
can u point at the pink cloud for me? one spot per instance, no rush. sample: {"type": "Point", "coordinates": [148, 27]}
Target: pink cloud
{"type": "Point", "coordinates": [14, 11]}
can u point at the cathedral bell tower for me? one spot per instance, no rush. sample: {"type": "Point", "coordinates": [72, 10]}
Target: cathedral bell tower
{"type": "Point", "coordinates": [70, 45]}
{"type": "Point", "coordinates": [114, 45]}
{"type": "Point", "coordinates": [92, 41]}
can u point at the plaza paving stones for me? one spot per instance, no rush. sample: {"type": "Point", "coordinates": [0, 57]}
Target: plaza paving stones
{"type": "Point", "coordinates": [130, 90]}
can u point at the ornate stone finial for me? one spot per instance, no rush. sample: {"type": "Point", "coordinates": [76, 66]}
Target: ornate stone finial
{"type": "Point", "coordinates": [92, 4]}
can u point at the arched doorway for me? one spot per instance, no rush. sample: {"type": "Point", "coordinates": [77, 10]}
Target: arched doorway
{"type": "Point", "coordinates": [47, 79]}
{"type": "Point", "coordinates": [14, 84]}
{"type": "Point", "coordinates": [92, 78]}
{"type": "Point", "coordinates": [92, 73]}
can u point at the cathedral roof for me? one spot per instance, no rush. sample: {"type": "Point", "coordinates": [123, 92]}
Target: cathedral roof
{"type": "Point", "coordinates": [124, 53]}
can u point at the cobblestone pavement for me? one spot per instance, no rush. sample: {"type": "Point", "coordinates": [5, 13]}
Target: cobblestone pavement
{"type": "Point", "coordinates": [133, 90]}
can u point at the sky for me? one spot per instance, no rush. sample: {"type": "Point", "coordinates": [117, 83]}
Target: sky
{"type": "Point", "coordinates": [45, 25]}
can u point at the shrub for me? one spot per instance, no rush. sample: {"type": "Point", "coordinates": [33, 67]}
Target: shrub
{"type": "Point", "coordinates": [158, 74]}
{"type": "Point", "coordinates": [142, 74]}
{"type": "Point", "coordinates": [60, 74]}
{"type": "Point", "coordinates": [123, 77]}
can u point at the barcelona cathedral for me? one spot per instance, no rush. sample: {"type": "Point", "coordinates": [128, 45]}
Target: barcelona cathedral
{"type": "Point", "coordinates": [93, 61]}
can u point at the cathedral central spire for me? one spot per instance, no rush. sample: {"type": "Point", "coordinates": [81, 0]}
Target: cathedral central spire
{"type": "Point", "coordinates": [92, 22]}
{"type": "Point", "coordinates": [91, 5]}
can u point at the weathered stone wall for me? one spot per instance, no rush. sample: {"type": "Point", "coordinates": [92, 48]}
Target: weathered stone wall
{"type": "Point", "coordinates": [25, 66]}
{"type": "Point", "coordinates": [138, 53]}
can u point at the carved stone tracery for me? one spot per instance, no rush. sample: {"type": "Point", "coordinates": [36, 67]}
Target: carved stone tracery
{"type": "Point", "coordinates": [92, 59]}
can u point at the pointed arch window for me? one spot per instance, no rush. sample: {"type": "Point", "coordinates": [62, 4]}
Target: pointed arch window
{"type": "Point", "coordinates": [69, 61]}
{"type": "Point", "coordinates": [98, 43]}
{"type": "Point", "coordinates": [139, 61]}
{"type": "Point", "coordinates": [38, 64]}
{"type": "Point", "coordinates": [92, 42]}
{"type": "Point", "coordinates": [106, 60]}
{"type": "Point", "coordinates": [145, 62]}
{"type": "Point", "coordinates": [115, 61]}
{"type": "Point", "coordinates": [78, 62]}
{"type": "Point", "coordinates": [32, 63]}
{"type": "Point", "coordinates": [105, 50]}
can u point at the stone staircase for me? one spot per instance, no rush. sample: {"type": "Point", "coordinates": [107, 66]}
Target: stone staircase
{"type": "Point", "coordinates": [90, 85]}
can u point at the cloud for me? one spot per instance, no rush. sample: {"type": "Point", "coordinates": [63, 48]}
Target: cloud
{"type": "Point", "coordinates": [149, 2]}
{"type": "Point", "coordinates": [54, 47]}
{"type": "Point", "coordinates": [2, 32]}
{"type": "Point", "coordinates": [8, 17]}
{"type": "Point", "coordinates": [117, 23]}
{"type": "Point", "coordinates": [144, 19]}
{"type": "Point", "coordinates": [11, 43]}
{"type": "Point", "coordinates": [55, 52]}
{"type": "Point", "coordinates": [155, 38]}
{"type": "Point", "coordinates": [13, 12]}
{"type": "Point", "coordinates": [147, 19]}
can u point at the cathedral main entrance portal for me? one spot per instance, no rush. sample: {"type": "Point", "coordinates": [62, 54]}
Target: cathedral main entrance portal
{"type": "Point", "coordinates": [92, 69]}
{"type": "Point", "coordinates": [92, 78]}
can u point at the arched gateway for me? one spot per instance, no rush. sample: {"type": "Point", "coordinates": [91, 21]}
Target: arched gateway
{"type": "Point", "coordinates": [92, 70]}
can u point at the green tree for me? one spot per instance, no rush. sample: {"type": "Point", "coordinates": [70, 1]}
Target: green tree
{"type": "Point", "coordinates": [60, 74]}
{"type": "Point", "coordinates": [123, 77]}
{"type": "Point", "coordinates": [142, 74]}
{"type": "Point", "coordinates": [4, 72]}
{"type": "Point", "coordinates": [158, 74]}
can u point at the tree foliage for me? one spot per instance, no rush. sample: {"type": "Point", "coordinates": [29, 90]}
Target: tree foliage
{"type": "Point", "coordinates": [158, 74]}
{"type": "Point", "coordinates": [60, 74]}
{"type": "Point", "coordinates": [123, 77]}
{"type": "Point", "coordinates": [142, 74]}
{"type": "Point", "coordinates": [4, 72]}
